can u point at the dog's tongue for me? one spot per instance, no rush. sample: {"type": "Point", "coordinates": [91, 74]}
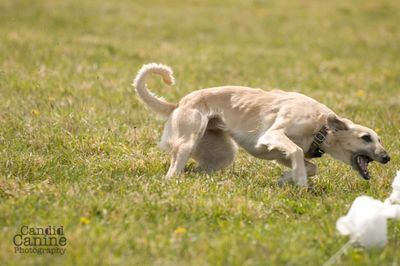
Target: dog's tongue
{"type": "Point", "coordinates": [362, 162]}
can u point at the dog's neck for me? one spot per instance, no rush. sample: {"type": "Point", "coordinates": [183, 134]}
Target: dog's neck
{"type": "Point", "coordinates": [316, 148]}
{"type": "Point", "coordinates": [330, 145]}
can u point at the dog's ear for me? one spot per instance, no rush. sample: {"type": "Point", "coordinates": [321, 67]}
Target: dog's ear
{"type": "Point", "coordinates": [336, 123]}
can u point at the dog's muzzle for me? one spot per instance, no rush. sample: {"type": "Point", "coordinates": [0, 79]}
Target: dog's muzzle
{"type": "Point", "coordinates": [360, 162]}
{"type": "Point", "coordinates": [384, 158]}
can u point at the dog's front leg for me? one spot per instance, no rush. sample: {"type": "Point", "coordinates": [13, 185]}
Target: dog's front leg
{"type": "Point", "coordinates": [277, 139]}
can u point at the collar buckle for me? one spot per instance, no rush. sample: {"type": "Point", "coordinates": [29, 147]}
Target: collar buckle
{"type": "Point", "coordinates": [315, 150]}
{"type": "Point", "coordinates": [320, 137]}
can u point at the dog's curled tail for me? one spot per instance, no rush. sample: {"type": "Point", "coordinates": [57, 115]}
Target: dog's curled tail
{"type": "Point", "coordinates": [156, 103]}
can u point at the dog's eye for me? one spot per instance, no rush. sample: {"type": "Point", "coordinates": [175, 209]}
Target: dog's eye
{"type": "Point", "coordinates": [367, 138]}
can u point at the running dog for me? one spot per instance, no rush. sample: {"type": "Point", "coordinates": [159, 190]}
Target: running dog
{"type": "Point", "coordinates": [287, 127]}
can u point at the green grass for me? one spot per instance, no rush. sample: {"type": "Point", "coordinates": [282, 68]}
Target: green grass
{"type": "Point", "coordinates": [76, 142]}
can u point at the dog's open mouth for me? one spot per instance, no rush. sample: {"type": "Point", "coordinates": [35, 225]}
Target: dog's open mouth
{"type": "Point", "coordinates": [360, 162]}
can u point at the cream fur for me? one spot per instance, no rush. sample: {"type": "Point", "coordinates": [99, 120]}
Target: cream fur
{"type": "Point", "coordinates": [272, 125]}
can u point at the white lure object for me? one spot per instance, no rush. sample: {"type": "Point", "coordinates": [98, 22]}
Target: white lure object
{"type": "Point", "coordinates": [366, 221]}
{"type": "Point", "coordinates": [395, 196]}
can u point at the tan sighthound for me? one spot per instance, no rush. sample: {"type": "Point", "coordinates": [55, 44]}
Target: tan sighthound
{"type": "Point", "coordinates": [273, 125]}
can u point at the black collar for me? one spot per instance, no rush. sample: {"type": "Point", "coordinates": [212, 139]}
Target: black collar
{"type": "Point", "coordinates": [315, 150]}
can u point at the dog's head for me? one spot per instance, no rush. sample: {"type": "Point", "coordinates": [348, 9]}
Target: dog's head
{"type": "Point", "coordinates": [355, 145]}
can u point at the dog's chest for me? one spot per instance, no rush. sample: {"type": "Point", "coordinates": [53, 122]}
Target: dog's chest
{"type": "Point", "coordinates": [245, 140]}
{"type": "Point", "coordinates": [248, 142]}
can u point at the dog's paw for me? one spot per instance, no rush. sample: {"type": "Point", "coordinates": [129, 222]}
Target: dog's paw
{"type": "Point", "coordinates": [286, 178]}
{"type": "Point", "coordinates": [301, 181]}
{"type": "Point", "coordinates": [168, 176]}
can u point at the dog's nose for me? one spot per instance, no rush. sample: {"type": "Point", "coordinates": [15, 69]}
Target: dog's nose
{"type": "Point", "coordinates": [385, 158]}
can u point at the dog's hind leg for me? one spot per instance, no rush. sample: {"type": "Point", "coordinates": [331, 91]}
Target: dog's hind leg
{"type": "Point", "coordinates": [186, 128]}
{"type": "Point", "coordinates": [216, 150]}
{"type": "Point", "coordinates": [166, 136]}
{"type": "Point", "coordinates": [277, 140]}
{"type": "Point", "coordinates": [310, 168]}
{"type": "Point", "coordinates": [286, 177]}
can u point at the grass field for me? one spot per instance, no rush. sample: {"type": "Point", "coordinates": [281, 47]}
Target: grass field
{"type": "Point", "coordinates": [79, 150]}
